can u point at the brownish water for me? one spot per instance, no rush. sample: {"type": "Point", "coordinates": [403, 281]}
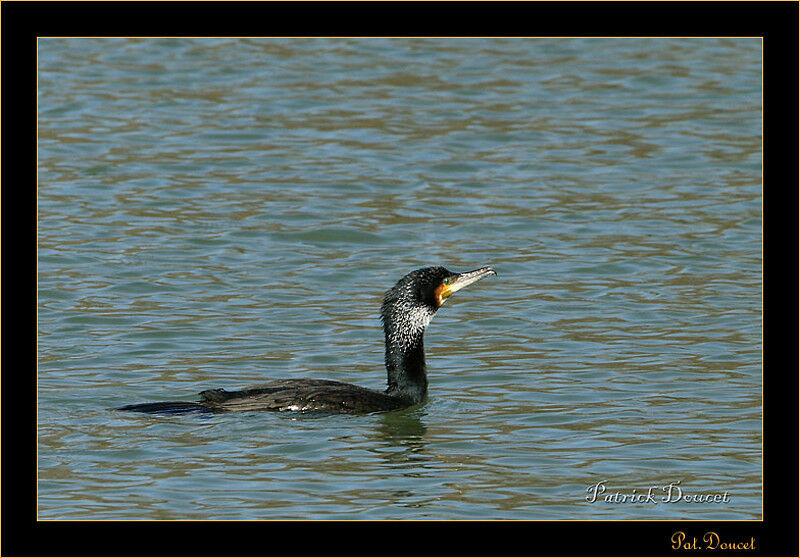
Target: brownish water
{"type": "Point", "coordinates": [216, 213]}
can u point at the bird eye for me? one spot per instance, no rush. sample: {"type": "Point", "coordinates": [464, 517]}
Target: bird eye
{"type": "Point", "coordinates": [447, 281]}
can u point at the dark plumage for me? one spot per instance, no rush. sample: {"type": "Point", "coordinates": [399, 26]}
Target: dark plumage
{"type": "Point", "coordinates": [406, 311]}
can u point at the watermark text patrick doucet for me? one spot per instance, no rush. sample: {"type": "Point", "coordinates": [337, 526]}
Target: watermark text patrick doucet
{"type": "Point", "coordinates": [662, 494]}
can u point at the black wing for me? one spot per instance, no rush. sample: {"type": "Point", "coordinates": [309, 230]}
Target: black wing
{"type": "Point", "coordinates": [302, 395]}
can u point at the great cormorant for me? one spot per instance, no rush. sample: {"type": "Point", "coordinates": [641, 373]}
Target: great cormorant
{"type": "Point", "coordinates": [406, 311]}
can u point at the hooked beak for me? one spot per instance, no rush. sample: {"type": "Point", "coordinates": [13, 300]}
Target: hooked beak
{"type": "Point", "coordinates": [459, 281]}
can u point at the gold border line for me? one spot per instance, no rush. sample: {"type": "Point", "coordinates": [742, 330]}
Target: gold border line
{"type": "Point", "coordinates": [670, 520]}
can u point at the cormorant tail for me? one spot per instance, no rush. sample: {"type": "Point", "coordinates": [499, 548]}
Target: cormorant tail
{"type": "Point", "coordinates": [167, 408]}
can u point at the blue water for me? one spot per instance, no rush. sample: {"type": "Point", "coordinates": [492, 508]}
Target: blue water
{"type": "Point", "coordinates": [221, 212]}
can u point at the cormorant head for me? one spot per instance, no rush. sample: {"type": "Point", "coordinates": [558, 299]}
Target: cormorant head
{"type": "Point", "coordinates": [409, 306]}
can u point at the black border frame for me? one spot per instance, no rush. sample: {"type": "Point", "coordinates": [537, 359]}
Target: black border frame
{"type": "Point", "coordinates": [22, 22]}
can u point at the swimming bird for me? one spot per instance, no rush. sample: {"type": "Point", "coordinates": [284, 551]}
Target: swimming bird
{"type": "Point", "coordinates": [407, 309]}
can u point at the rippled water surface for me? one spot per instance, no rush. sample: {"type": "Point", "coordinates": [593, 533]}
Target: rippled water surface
{"type": "Point", "coordinates": [217, 213]}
